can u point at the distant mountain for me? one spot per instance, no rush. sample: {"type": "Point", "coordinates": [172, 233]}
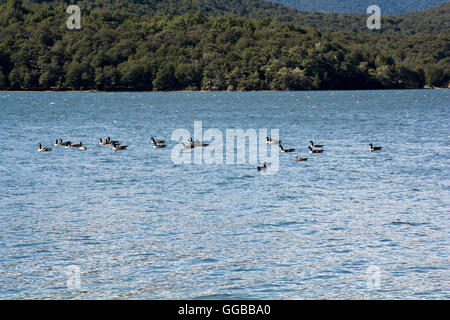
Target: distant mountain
{"type": "Point", "coordinates": [388, 7]}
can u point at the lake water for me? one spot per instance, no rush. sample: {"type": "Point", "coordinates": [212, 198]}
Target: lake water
{"type": "Point", "coordinates": [346, 224]}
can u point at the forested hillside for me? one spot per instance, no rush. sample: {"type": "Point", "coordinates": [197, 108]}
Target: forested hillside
{"type": "Point", "coordinates": [434, 20]}
{"type": "Point", "coordinates": [125, 49]}
{"type": "Point", "coordinates": [389, 7]}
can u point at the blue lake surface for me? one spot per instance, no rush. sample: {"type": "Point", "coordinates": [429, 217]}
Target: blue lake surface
{"type": "Point", "coordinates": [139, 226]}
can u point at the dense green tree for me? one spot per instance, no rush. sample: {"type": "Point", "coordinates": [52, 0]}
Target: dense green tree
{"type": "Point", "coordinates": [434, 20]}
{"type": "Point", "coordinates": [79, 76]}
{"type": "Point", "coordinates": [188, 75]}
{"type": "Point", "coordinates": [135, 75]}
{"type": "Point", "coordinates": [107, 78]}
{"type": "Point", "coordinates": [124, 49]}
{"type": "Point", "coordinates": [436, 77]}
{"type": "Point", "coordinates": [14, 10]}
{"type": "Point", "coordinates": [165, 78]}
{"type": "Point", "coordinates": [23, 77]}
{"type": "Point", "coordinates": [3, 80]}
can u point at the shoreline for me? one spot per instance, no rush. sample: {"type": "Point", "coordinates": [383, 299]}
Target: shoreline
{"type": "Point", "coordinates": [205, 91]}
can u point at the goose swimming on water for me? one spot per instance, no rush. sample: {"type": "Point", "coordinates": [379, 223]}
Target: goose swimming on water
{"type": "Point", "coordinates": [117, 147]}
{"type": "Point", "coordinates": [60, 142]}
{"type": "Point", "coordinates": [73, 145]}
{"type": "Point", "coordinates": [316, 145]}
{"type": "Point", "coordinates": [43, 149]}
{"type": "Point", "coordinates": [198, 143]}
{"type": "Point", "coordinates": [157, 141]}
{"type": "Point", "coordinates": [372, 148]}
{"type": "Point", "coordinates": [158, 146]}
{"type": "Point", "coordinates": [264, 167]}
{"type": "Point", "coordinates": [286, 150]}
{"type": "Point", "coordinates": [299, 159]}
{"type": "Point", "coordinates": [270, 141]}
{"type": "Point", "coordinates": [110, 142]}
{"type": "Point", "coordinates": [311, 150]}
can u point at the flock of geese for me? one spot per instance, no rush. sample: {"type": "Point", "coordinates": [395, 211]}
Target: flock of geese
{"type": "Point", "coordinates": [297, 158]}
{"type": "Point", "coordinates": [61, 143]}
{"type": "Point", "coordinates": [313, 149]}
{"type": "Point", "coordinates": [158, 144]}
{"type": "Point", "coordinates": [114, 143]}
{"type": "Point", "coordinates": [68, 144]}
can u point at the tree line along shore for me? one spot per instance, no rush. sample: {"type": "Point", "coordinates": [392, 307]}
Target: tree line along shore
{"type": "Point", "coordinates": [121, 50]}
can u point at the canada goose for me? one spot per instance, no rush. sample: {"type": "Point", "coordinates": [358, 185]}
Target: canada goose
{"type": "Point", "coordinates": [41, 149]}
{"type": "Point", "coordinates": [198, 143]}
{"type": "Point", "coordinates": [270, 141]}
{"type": "Point", "coordinates": [311, 150]}
{"type": "Point", "coordinates": [60, 142]}
{"type": "Point", "coordinates": [158, 146]}
{"type": "Point", "coordinates": [110, 142]}
{"type": "Point", "coordinates": [157, 141]}
{"type": "Point", "coordinates": [372, 148]}
{"type": "Point", "coordinates": [286, 150]}
{"type": "Point", "coordinates": [82, 147]}
{"type": "Point", "coordinates": [316, 145]}
{"type": "Point", "coordinates": [298, 159]}
{"type": "Point", "coordinates": [117, 146]}
{"type": "Point", "coordinates": [73, 145]}
{"type": "Point", "coordinates": [102, 142]}
{"type": "Point", "coordinates": [264, 167]}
